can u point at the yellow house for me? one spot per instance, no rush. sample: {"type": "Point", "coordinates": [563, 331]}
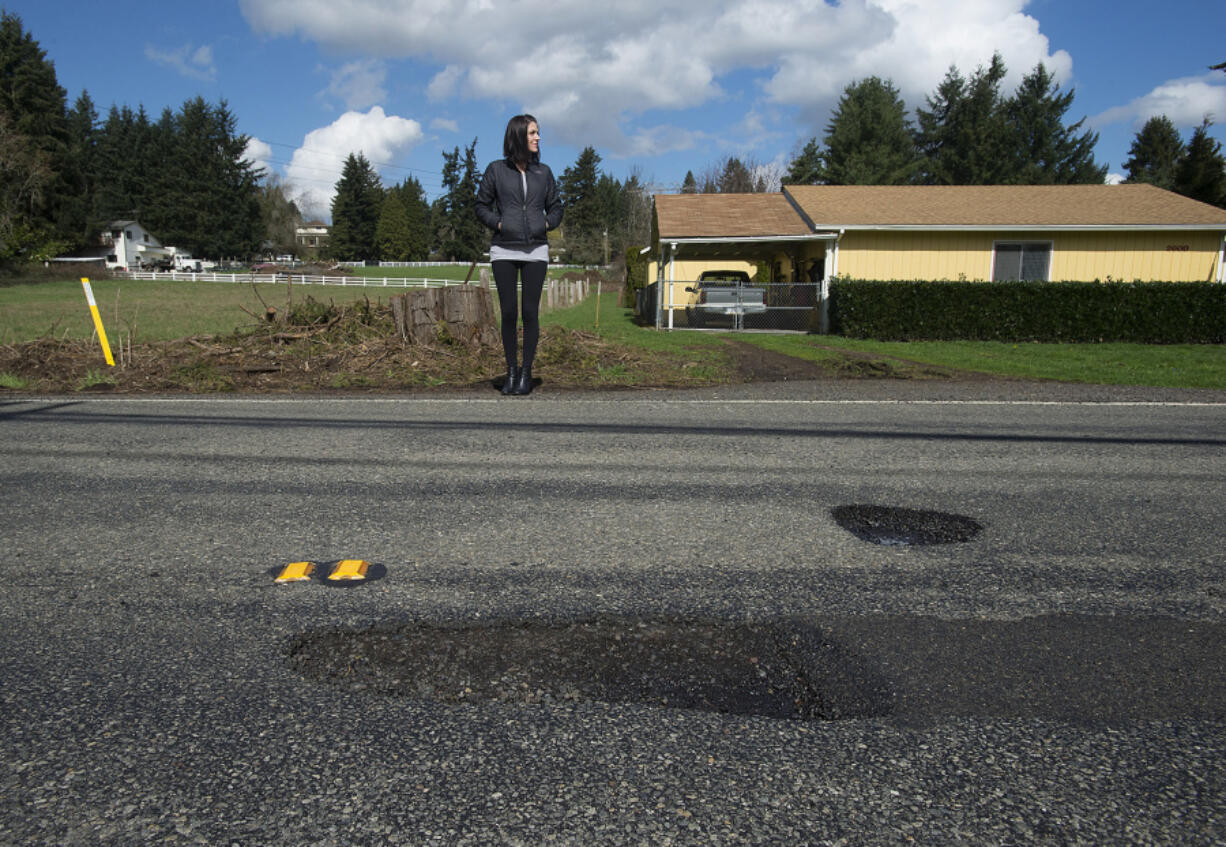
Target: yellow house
{"type": "Point", "coordinates": [999, 232]}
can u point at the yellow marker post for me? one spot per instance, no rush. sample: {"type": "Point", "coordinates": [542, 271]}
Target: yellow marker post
{"type": "Point", "coordinates": [93, 309]}
{"type": "Point", "coordinates": [296, 572]}
{"type": "Point", "coordinates": [349, 569]}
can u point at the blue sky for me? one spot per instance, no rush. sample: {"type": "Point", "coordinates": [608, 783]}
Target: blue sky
{"type": "Point", "coordinates": [657, 87]}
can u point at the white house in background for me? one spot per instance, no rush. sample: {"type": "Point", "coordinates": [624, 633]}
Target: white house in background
{"type": "Point", "coordinates": [312, 237]}
{"type": "Point", "coordinates": [132, 247]}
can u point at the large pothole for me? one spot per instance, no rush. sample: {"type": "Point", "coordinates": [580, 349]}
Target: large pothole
{"type": "Point", "coordinates": [892, 526]}
{"type": "Point", "coordinates": [777, 670]}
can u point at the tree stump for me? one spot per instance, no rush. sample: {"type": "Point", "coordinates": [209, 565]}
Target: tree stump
{"type": "Point", "coordinates": [461, 313]}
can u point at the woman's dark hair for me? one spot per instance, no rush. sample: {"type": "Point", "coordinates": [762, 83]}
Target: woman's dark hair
{"type": "Point", "coordinates": [515, 142]}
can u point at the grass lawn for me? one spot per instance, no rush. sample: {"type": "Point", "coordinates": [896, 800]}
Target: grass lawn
{"type": "Point", "coordinates": [147, 311]}
{"type": "Point", "coordinates": [1172, 366]}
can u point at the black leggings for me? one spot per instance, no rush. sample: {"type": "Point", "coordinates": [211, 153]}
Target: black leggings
{"type": "Point", "coordinates": [509, 274]}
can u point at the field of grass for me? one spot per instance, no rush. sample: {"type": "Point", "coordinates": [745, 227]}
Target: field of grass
{"type": "Point", "coordinates": [154, 311]}
{"type": "Point", "coordinates": [142, 311]}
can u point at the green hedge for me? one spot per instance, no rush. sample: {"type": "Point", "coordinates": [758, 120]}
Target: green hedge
{"type": "Point", "coordinates": [1140, 312]}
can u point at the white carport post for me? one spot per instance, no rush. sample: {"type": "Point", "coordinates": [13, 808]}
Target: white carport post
{"type": "Point", "coordinates": [832, 270]}
{"type": "Point", "coordinates": [672, 267]}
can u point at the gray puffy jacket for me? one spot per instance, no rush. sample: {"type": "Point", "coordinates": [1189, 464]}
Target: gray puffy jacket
{"type": "Point", "coordinates": [524, 219]}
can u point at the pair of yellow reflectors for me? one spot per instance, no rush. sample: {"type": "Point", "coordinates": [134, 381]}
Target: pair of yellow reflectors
{"type": "Point", "coordinates": [342, 571]}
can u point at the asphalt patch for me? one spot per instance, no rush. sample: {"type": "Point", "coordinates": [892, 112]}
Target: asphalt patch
{"type": "Point", "coordinates": [780, 670]}
{"type": "Point", "coordinates": [909, 669]}
{"type": "Point", "coordinates": [891, 526]}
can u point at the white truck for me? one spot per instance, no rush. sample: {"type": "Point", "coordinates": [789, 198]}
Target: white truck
{"type": "Point", "coordinates": [721, 294]}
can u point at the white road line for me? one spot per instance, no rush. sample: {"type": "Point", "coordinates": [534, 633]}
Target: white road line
{"type": "Point", "coordinates": [620, 401]}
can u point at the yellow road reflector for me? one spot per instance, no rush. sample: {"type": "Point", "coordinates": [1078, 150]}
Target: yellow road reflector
{"type": "Point", "coordinates": [93, 310]}
{"type": "Point", "coordinates": [349, 569]}
{"type": "Point", "coordinates": [296, 572]}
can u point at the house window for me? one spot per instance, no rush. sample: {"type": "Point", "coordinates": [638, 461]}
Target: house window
{"type": "Point", "coordinates": [1021, 260]}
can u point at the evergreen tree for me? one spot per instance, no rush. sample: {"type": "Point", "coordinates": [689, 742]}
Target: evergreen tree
{"type": "Point", "coordinates": [472, 237]}
{"type": "Point", "coordinates": [610, 202]}
{"type": "Point", "coordinates": [869, 140]}
{"type": "Point", "coordinates": [1155, 153]}
{"type": "Point", "coordinates": [584, 225]}
{"type": "Point", "coordinates": [962, 135]}
{"type": "Point", "coordinates": [80, 173]}
{"type": "Point", "coordinates": [417, 219]}
{"type": "Point", "coordinates": [459, 234]}
{"type": "Point", "coordinates": [355, 211]}
{"type": "Point", "coordinates": [392, 236]}
{"type": "Point", "coordinates": [199, 191]}
{"type": "Point", "coordinates": [1045, 151]}
{"type": "Point", "coordinates": [33, 107]}
{"type": "Point", "coordinates": [166, 177]}
{"type": "Point", "coordinates": [689, 185]}
{"type": "Point", "coordinates": [1201, 173]}
{"type": "Point", "coordinates": [735, 178]}
{"type": "Point", "coordinates": [636, 216]}
{"type": "Point", "coordinates": [442, 221]}
{"type": "Point", "coordinates": [118, 194]}
{"type": "Point", "coordinates": [806, 168]}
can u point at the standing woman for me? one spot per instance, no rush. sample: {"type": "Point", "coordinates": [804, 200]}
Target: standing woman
{"type": "Point", "coordinates": [518, 200]}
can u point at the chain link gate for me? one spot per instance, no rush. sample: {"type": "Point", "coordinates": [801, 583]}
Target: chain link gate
{"type": "Point", "coordinates": [777, 306]}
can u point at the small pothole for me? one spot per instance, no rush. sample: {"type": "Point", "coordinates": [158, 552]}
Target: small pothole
{"type": "Point", "coordinates": [892, 526]}
{"type": "Point", "coordinates": [778, 670]}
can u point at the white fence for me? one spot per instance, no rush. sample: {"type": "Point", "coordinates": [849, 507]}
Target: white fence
{"type": "Point", "coordinates": [557, 293]}
{"type": "Point", "coordinates": [296, 279]}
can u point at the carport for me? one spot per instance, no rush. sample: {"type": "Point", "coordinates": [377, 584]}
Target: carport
{"type": "Point", "coordinates": [710, 229]}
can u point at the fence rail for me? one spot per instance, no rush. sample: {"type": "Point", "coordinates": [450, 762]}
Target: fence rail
{"type": "Point", "coordinates": [297, 279]}
{"type": "Point", "coordinates": [558, 293]}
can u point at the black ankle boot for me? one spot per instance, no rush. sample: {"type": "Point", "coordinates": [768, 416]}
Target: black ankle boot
{"type": "Point", "coordinates": [508, 387]}
{"type": "Point", "coordinates": [523, 382]}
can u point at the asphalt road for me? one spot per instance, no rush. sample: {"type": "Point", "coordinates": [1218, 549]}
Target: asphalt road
{"type": "Point", "coordinates": [1058, 678]}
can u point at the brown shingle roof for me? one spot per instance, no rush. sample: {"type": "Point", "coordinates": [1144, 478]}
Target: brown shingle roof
{"type": "Point", "coordinates": [727, 216]}
{"type": "Point", "coordinates": [834, 206]}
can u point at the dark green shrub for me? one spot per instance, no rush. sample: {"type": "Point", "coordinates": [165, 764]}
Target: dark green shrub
{"type": "Point", "coordinates": [1140, 312]}
{"type": "Point", "coordinates": [636, 273]}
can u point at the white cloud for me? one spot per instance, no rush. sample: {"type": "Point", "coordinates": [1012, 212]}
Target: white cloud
{"type": "Point", "coordinates": [359, 84]}
{"type": "Point", "coordinates": [445, 124]}
{"type": "Point", "coordinates": [445, 83]}
{"type": "Point", "coordinates": [316, 166]}
{"type": "Point", "coordinates": [1185, 101]}
{"type": "Point", "coordinates": [188, 60]}
{"type": "Point", "coordinates": [596, 74]}
{"type": "Point", "coordinates": [259, 154]}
